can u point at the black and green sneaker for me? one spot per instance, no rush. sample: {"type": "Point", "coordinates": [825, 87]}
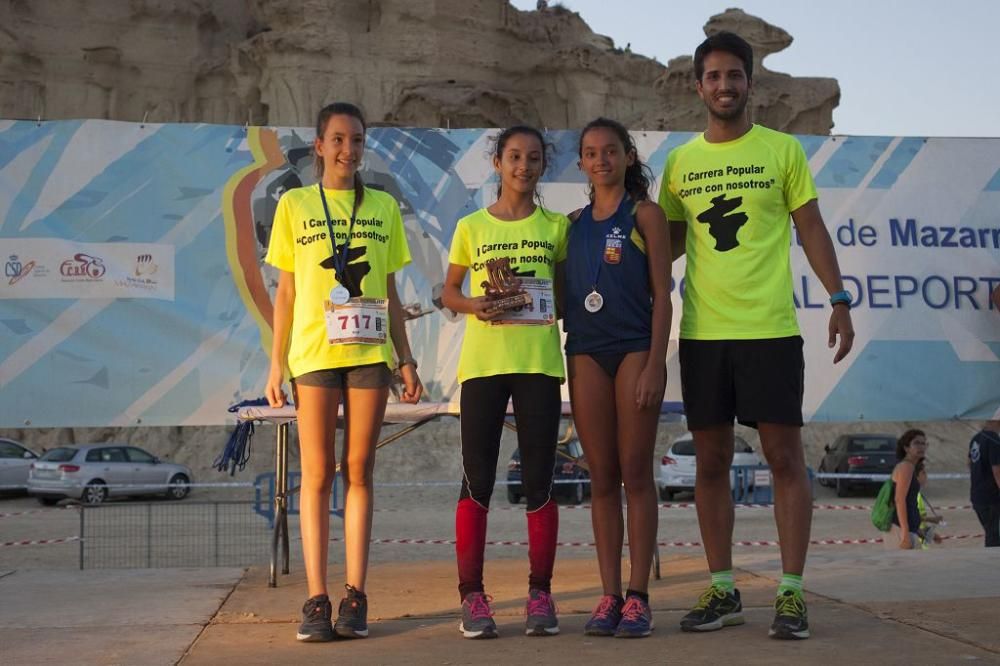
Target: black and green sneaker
{"type": "Point", "coordinates": [716, 608]}
{"type": "Point", "coordinates": [791, 621]}
{"type": "Point", "coordinates": [352, 616]}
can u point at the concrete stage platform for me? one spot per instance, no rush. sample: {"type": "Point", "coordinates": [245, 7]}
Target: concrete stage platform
{"type": "Point", "coordinates": [865, 605]}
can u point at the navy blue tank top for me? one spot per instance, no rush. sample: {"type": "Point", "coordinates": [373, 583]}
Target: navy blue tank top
{"type": "Point", "coordinates": [912, 508]}
{"type": "Point", "coordinates": [625, 322]}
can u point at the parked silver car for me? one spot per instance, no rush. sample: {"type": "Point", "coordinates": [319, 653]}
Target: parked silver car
{"type": "Point", "coordinates": [677, 467]}
{"type": "Point", "coordinates": [94, 472]}
{"type": "Point", "coordinates": [15, 461]}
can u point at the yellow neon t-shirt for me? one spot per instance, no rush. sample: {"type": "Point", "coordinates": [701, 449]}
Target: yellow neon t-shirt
{"type": "Point", "coordinates": [300, 240]}
{"type": "Point", "coordinates": [736, 198]}
{"type": "Point", "coordinates": [534, 245]}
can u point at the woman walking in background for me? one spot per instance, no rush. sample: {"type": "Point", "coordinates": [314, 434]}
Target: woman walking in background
{"type": "Point", "coordinates": [910, 450]}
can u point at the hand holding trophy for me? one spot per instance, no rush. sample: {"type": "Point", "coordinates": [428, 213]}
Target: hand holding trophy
{"type": "Point", "coordinates": [503, 289]}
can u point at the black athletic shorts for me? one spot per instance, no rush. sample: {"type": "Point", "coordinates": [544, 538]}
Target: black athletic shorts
{"type": "Point", "coordinates": [371, 376]}
{"type": "Point", "coordinates": [753, 381]}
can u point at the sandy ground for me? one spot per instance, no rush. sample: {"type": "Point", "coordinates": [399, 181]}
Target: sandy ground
{"type": "Point", "coordinates": [427, 513]}
{"type": "Point", "coordinates": [431, 455]}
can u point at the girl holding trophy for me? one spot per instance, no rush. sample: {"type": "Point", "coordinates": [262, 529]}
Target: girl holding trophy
{"type": "Point", "coordinates": [617, 309]}
{"type": "Point", "coordinates": [510, 352]}
{"type": "Point", "coordinates": [337, 318]}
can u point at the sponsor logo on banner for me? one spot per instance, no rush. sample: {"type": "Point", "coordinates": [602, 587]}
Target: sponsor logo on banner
{"type": "Point", "coordinates": [613, 246]}
{"type": "Point", "coordinates": [82, 268]}
{"type": "Point", "coordinates": [15, 270]}
{"type": "Point", "coordinates": [141, 272]}
{"type": "Point", "coordinates": [144, 265]}
{"type": "Point", "coordinates": [56, 268]}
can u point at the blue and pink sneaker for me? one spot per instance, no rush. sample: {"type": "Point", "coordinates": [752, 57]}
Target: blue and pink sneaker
{"type": "Point", "coordinates": [605, 618]}
{"type": "Point", "coordinates": [637, 619]}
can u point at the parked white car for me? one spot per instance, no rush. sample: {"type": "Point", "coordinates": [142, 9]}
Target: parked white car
{"type": "Point", "coordinates": [677, 467]}
{"type": "Point", "coordinates": [15, 461]}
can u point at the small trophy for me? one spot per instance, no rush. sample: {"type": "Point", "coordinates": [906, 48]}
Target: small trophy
{"type": "Point", "coordinates": [503, 289]}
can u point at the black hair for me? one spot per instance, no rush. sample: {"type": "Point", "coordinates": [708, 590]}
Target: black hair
{"type": "Point", "coordinates": [729, 42]}
{"type": "Point", "coordinates": [638, 176]}
{"type": "Point", "coordinates": [905, 440]}
{"type": "Point", "coordinates": [340, 109]}
{"type": "Point", "coordinates": [500, 142]}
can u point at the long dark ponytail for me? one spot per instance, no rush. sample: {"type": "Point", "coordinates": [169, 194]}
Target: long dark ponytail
{"type": "Point", "coordinates": [638, 176]}
{"type": "Point", "coordinates": [340, 109]}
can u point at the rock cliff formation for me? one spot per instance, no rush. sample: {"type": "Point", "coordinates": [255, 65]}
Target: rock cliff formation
{"type": "Point", "coordinates": [457, 63]}
{"type": "Point", "coordinates": [801, 105]}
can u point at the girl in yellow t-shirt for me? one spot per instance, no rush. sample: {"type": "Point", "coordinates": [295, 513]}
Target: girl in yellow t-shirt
{"type": "Point", "coordinates": [508, 354]}
{"type": "Point", "coordinates": [336, 312]}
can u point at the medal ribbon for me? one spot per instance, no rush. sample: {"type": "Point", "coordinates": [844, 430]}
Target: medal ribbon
{"type": "Point", "coordinates": [586, 235]}
{"type": "Point", "coordinates": [339, 258]}
{"type": "Point", "coordinates": [596, 272]}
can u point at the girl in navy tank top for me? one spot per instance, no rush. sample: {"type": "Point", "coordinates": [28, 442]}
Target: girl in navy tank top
{"type": "Point", "coordinates": [617, 320]}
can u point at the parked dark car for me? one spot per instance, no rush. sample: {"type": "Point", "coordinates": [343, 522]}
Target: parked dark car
{"type": "Point", "coordinates": [570, 466]}
{"type": "Point", "coordinates": [858, 454]}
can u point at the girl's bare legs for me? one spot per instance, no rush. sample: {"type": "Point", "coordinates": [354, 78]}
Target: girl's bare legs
{"type": "Point", "coordinates": [363, 413]}
{"type": "Point", "coordinates": [316, 410]}
{"type": "Point", "coordinates": [636, 438]}
{"type": "Point", "coordinates": [594, 413]}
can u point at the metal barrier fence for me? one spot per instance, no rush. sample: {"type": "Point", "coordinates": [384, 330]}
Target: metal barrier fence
{"type": "Point", "coordinates": [172, 534]}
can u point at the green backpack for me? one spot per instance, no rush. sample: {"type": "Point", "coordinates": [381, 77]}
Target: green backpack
{"type": "Point", "coordinates": [884, 508]}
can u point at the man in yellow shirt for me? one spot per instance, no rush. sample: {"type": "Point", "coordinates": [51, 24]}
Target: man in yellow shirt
{"type": "Point", "coordinates": [728, 194]}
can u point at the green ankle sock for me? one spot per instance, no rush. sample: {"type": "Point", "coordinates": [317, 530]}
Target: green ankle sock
{"type": "Point", "coordinates": [790, 582]}
{"type": "Point", "coordinates": [724, 580]}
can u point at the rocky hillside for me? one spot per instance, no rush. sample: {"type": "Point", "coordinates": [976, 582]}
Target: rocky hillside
{"type": "Point", "coordinates": [437, 63]}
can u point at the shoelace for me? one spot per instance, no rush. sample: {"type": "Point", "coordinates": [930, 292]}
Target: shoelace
{"type": "Point", "coordinates": [634, 610]}
{"type": "Point", "coordinates": [540, 605]}
{"type": "Point", "coordinates": [479, 606]}
{"type": "Point", "coordinates": [605, 607]}
{"type": "Point", "coordinates": [706, 597]}
{"type": "Point", "coordinates": [316, 608]}
{"type": "Point", "coordinates": [790, 605]}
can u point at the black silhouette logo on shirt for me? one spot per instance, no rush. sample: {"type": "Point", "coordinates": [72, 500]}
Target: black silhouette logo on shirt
{"type": "Point", "coordinates": [722, 222]}
{"type": "Point", "coordinates": [356, 272]}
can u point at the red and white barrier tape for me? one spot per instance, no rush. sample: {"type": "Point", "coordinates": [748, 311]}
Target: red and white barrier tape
{"type": "Point", "coordinates": [562, 544]}
{"type": "Point", "coordinates": [33, 511]}
{"type": "Point", "coordinates": [38, 542]}
{"type": "Point", "coordinates": [663, 544]}
{"type": "Point", "coordinates": [691, 505]}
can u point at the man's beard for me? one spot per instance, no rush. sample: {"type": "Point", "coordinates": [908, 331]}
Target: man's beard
{"type": "Point", "coordinates": [731, 113]}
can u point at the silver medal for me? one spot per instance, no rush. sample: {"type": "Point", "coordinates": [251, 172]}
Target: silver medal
{"type": "Point", "coordinates": [593, 302]}
{"type": "Point", "coordinates": [339, 295]}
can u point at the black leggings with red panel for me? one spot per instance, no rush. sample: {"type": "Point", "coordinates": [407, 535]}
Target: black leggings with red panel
{"type": "Point", "coordinates": [537, 404]}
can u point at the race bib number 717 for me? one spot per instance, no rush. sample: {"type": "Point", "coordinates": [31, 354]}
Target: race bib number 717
{"type": "Point", "coordinates": [360, 321]}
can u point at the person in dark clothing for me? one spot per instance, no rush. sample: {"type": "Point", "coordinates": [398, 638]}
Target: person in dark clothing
{"type": "Point", "coordinates": [910, 450]}
{"type": "Point", "coordinates": [984, 477]}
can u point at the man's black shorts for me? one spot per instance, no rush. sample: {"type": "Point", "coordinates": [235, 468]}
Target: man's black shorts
{"type": "Point", "coordinates": [753, 381]}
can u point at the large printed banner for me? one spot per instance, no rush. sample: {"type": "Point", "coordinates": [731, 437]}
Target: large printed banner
{"type": "Point", "coordinates": [134, 290]}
